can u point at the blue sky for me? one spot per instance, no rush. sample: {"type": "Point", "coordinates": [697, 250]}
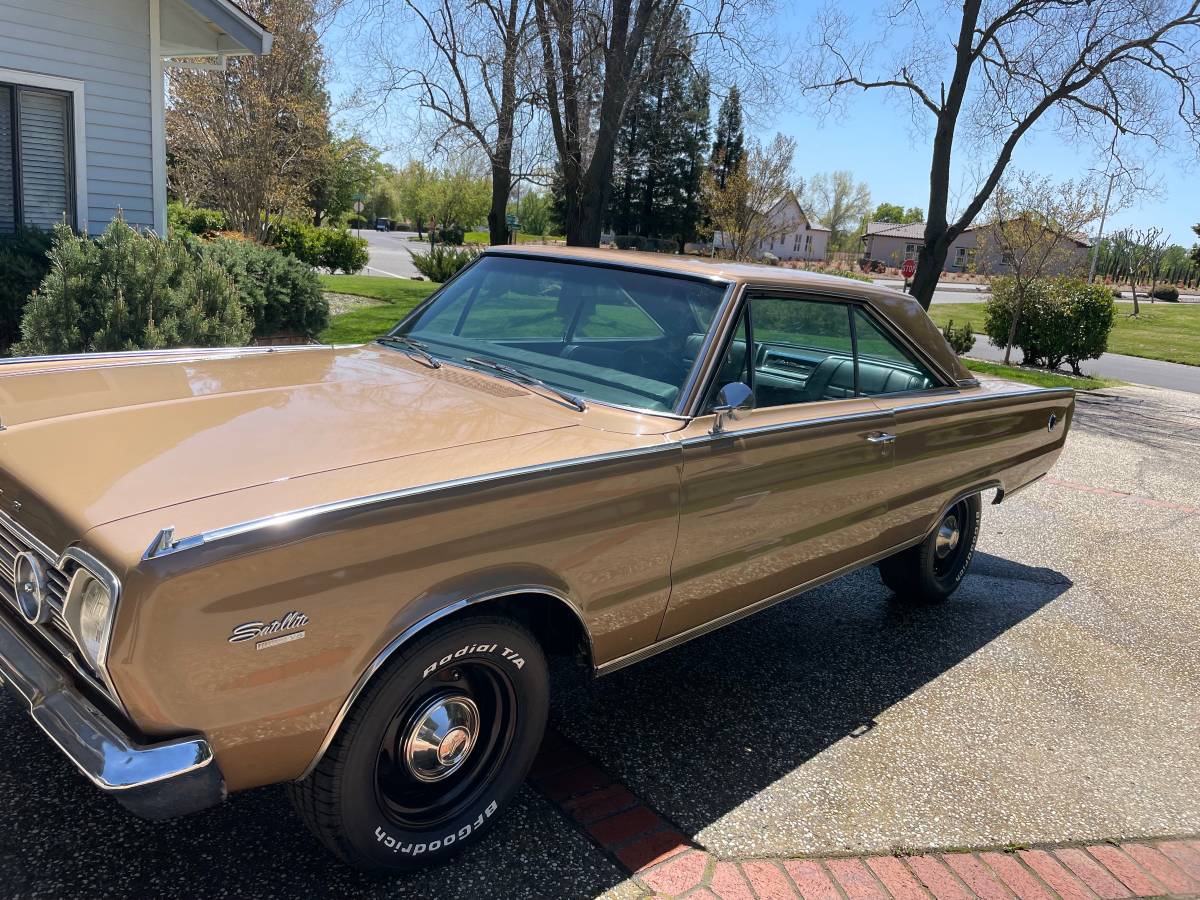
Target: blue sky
{"type": "Point", "coordinates": [874, 138]}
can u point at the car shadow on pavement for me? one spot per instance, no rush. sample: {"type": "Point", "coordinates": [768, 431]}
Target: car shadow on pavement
{"type": "Point", "coordinates": [703, 728]}
{"type": "Point", "coordinates": [773, 690]}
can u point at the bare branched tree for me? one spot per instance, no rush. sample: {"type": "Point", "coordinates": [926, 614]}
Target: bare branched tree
{"type": "Point", "coordinates": [595, 55]}
{"type": "Point", "coordinates": [1135, 247]}
{"type": "Point", "coordinates": [1006, 67]}
{"type": "Point", "coordinates": [840, 204]}
{"type": "Point", "coordinates": [1034, 227]}
{"type": "Point", "coordinates": [738, 208]}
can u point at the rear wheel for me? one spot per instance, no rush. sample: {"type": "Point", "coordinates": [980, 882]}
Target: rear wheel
{"type": "Point", "coordinates": [434, 749]}
{"type": "Point", "coordinates": [932, 570]}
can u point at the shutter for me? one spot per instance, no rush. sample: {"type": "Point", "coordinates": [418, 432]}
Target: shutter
{"type": "Point", "coordinates": [8, 200]}
{"type": "Point", "coordinates": [45, 158]}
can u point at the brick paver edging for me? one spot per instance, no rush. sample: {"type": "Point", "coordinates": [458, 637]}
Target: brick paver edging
{"type": "Point", "coordinates": [666, 864]}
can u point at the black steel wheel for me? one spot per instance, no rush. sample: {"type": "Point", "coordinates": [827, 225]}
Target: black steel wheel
{"type": "Point", "coordinates": [433, 750]}
{"type": "Point", "coordinates": [932, 570]}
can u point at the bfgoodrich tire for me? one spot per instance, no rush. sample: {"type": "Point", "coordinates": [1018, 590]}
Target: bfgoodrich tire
{"type": "Point", "coordinates": [434, 749]}
{"type": "Point", "coordinates": [932, 570]}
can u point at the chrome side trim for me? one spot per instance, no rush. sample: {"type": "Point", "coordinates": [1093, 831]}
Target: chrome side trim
{"type": "Point", "coordinates": [729, 618]}
{"type": "Point", "coordinates": [416, 628]}
{"type": "Point", "coordinates": [308, 512]}
{"type": "Point", "coordinates": [976, 398]}
{"type": "Point", "coordinates": [787, 426]}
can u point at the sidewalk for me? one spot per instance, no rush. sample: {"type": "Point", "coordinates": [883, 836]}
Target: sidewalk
{"type": "Point", "coordinates": [1134, 369]}
{"type": "Point", "coordinates": [663, 863]}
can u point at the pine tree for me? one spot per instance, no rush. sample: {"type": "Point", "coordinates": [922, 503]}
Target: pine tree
{"type": "Point", "coordinates": [729, 146]}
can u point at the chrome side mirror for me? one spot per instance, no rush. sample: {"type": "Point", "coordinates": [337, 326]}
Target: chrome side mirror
{"type": "Point", "coordinates": [734, 400]}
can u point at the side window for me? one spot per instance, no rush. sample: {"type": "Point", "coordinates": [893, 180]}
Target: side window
{"type": "Point", "coordinates": [884, 366]}
{"type": "Point", "coordinates": [803, 351]}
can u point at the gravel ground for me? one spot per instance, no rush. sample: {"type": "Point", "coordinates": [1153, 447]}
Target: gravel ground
{"type": "Point", "coordinates": [1057, 697]}
{"type": "Point", "coordinates": [343, 303]}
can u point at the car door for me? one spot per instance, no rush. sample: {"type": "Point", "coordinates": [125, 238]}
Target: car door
{"type": "Point", "coordinates": [792, 491]}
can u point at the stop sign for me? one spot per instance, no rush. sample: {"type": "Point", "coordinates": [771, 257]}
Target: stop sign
{"type": "Point", "coordinates": [909, 269]}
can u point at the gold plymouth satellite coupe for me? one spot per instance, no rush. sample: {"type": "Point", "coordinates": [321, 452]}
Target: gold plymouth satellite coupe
{"type": "Point", "coordinates": [344, 567]}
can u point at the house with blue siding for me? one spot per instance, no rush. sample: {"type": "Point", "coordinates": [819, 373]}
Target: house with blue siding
{"type": "Point", "coordinates": [81, 103]}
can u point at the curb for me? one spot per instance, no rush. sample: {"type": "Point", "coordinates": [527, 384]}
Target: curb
{"type": "Point", "coordinates": [665, 863]}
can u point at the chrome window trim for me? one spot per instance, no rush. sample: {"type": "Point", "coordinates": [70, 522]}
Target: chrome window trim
{"type": "Point", "coordinates": [788, 426]}
{"type": "Point", "coordinates": [976, 398]}
{"type": "Point", "coordinates": [416, 628]}
{"type": "Point", "coordinates": [165, 544]}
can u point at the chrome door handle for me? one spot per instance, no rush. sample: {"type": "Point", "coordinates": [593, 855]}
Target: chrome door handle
{"type": "Point", "coordinates": [881, 437]}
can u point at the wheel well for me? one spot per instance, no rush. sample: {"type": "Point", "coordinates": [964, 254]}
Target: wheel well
{"type": "Point", "coordinates": [558, 627]}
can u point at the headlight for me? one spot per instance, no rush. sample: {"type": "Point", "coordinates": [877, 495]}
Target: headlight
{"type": "Point", "coordinates": [93, 614]}
{"type": "Point", "coordinates": [90, 608]}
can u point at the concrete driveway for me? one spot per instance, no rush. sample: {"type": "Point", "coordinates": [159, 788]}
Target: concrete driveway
{"type": "Point", "coordinates": [1055, 698]}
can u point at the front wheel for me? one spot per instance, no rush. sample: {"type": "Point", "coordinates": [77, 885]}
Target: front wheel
{"type": "Point", "coordinates": [931, 571]}
{"type": "Point", "coordinates": [432, 752]}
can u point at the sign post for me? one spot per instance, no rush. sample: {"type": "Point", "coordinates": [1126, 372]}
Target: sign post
{"type": "Point", "coordinates": [358, 208]}
{"type": "Point", "coordinates": [513, 224]}
{"type": "Point", "coordinates": [908, 271]}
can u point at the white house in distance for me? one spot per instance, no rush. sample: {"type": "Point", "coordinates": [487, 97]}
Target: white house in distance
{"type": "Point", "coordinates": [792, 236]}
{"type": "Point", "coordinates": [82, 132]}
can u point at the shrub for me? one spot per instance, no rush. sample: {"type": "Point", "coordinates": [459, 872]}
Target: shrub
{"type": "Point", "coordinates": [662, 245]}
{"type": "Point", "coordinates": [23, 264]}
{"type": "Point", "coordinates": [849, 273]}
{"type": "Point", "coordinates": [128, 290]}
{"type": "Point", "coordinates": [1062, 320]}
{"type": "Point", "coordinates": [1168, 293]}
{"type": "Point", "coordinates": [279, 292]}
{"type": "Point", "coordinates": [331, 248]}
{"type": "Point", "coordinates": [343, 251]}
{"type": "Point", "coordinates": [451, 234]}
{"type": "Point", "coordinates": [961, 339]}
{"type": "Point", "coordinates": [194, 219]}
{"type": "Point", "coordinates": [630, 242]}
{"type": "Point", "coordinates": [442, 262]}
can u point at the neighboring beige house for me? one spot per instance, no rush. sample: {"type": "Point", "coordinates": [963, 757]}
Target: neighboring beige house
{"type": "Point", "coordinates": [971, 251]}
{"type": "Point", "coordinates": [792, 234]}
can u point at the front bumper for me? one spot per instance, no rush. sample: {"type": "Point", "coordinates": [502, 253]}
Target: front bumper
{"type": "Point", "coordinates": [154, 781]}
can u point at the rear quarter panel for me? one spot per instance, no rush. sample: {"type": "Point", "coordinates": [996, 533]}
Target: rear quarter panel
{"type": "Point", "coordinates": [992, 436]}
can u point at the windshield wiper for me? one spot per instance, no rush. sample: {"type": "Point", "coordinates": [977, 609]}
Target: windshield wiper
{"type": "Point", "coordinates": [524, 378]}
{"type": "Point", "coordinates": [413, 348]}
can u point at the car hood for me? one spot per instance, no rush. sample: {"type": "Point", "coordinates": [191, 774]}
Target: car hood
{"type": "Point", "coordinates": [94, 440]}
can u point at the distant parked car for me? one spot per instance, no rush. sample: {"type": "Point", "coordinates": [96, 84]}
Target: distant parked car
{"type": "Point", "coordinates": [383, 224]}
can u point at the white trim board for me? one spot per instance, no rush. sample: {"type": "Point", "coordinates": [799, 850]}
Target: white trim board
{"type": "Point", "coordinates": [158, 122]}
{"type": "Point", "coordinates": [79, 151]}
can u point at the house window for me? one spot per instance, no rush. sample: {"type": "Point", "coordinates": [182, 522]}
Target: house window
{"type": "Point", "coordinates": [36, 161]}
{"type": "Point", "coordinates": [796, 244]}
{"type": "Point", "coordinates": [911, 251]}
{"type": "Point", "coordinates": [964, 258]}
{"type": "Point", "coordinates": [808, 244]}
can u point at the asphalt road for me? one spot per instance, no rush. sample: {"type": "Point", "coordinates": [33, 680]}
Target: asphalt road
{"type": "Point", "coordinates": [1135, 369]}
{"type": "Point", "coordinates": [390, 253]}
{"type": "Point", "coordinates": [1057, 696]}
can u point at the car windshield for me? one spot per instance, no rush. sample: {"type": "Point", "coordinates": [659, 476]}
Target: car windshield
{"type": "Point", "coordinates": [612, 335]}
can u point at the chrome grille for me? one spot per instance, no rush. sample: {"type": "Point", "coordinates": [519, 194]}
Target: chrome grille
{"type": "Point", "coordinates": [14, 540]}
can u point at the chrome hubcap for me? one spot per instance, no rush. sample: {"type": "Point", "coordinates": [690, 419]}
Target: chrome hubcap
{"type": "Point", "coordinates": [947, 537]}
{"type": "Point", "coordinates": [441, 737]}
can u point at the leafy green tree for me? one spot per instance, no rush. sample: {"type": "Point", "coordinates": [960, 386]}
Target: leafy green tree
{"type": "Point", "coordinates": [413, 193]}
{"type": "Point", "coordinates": [533, 212]}
{"type": "Point", "coordinates": [457, 197]}
{"type": "Point", "coordinates": [348, 166]}
{"type": "Point", "coordinates": [840, 204]}
{"type": "Point", "coordinates": [894, 212]}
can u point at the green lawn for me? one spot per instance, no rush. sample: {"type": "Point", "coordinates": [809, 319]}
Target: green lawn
{"type": "Point", "coordinates": [482, 237]}
{"type": "Point", "coordinates": [1040, 377]}
{"type": "Point", "coordinates": [1166, 331]}
{"type": "Point", "coordinates": [369, 322]}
